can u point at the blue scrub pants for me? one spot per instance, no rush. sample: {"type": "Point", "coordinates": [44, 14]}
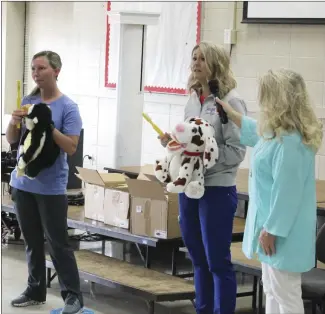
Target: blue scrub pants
{"type": "Point", "coordinates": [206, 226]}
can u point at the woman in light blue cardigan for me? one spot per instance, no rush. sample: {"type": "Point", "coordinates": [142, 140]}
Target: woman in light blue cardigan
{"type": "Point", "coordinates": [281, 221]}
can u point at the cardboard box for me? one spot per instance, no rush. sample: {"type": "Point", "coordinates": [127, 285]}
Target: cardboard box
{"type": "Point", "coordinates": [154, 212]}
{"type": "Point", "coordinates": [116, 208]}
{"type": "Point", "coordinates": [140, 204]}
{"type": "Point", "coordinates": [106, 197]}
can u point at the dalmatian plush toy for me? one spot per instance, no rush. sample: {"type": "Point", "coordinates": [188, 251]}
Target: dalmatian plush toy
{"type": "Point", "coordinates": [192, 150]}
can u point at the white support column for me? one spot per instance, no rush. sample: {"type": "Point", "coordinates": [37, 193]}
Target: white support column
{"type": "Point", "coordinates": [130, 83]}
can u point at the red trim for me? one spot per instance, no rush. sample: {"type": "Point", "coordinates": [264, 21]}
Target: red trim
{"type": "Point", "coordinates": [108, 31]}
{"type": "Point", "coordinates": [151, 89]}
{"type": "Point", "coordinates": [198, 22]}
{"type": "Point", "coordinates": [192, 154]}
{"type": "Point", "coordinates": [158, 89]}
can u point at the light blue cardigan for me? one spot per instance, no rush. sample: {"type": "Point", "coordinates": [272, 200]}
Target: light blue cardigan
{"type": "Point", "coordinates": [282, 193]}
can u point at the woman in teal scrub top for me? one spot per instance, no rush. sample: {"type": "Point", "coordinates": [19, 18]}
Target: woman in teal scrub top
{"type": "Point", "coordinates": [281, 220]}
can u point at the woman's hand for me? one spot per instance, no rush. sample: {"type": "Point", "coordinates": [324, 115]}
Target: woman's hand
{"type": "Point", "coordinates": [226, 107]}
{"type": "Point", "coordinates": [164, 140]}
{"type": "Point", "coordinates": [13, 132]}
{"type": "Point", "coordinates": [232, 114]}
{"type": "Point", "coordinates": [267, 242]}
{"type": "Point", "coordinates": [17, 116]}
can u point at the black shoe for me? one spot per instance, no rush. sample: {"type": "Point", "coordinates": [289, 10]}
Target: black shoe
{"type": "Point", "coordinates": [23, 301]}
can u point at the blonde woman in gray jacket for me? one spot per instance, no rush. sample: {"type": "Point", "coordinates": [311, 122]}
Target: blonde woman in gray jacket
{"type": "Point", "coordinates": [207, 223]}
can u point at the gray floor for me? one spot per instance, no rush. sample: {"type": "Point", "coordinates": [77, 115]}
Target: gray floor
{"type": "Point", "coordinates": [106, 300]}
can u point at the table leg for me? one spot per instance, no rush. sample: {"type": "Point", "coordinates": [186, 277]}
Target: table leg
{"type": "Point", "coordinates": [260, 297]}
{"type": "Point", "coordinates": [174, 261]}
{"type": "Point", "coordinates": [148, 261]}
{"type": "Point", "coordinates": [124, 251]}
{"type": "Point", "coordinates": [92, 290]}
{"type": "Point", "coordinates": [151, 307]}
{"type": "Point", "coordinates": [246, 208]}
{"type": "Point", "coordinates": [103, 247]}
{"type": "Point", "coordinates": [140, 253]}
{"type": "Point", "coordinates": [49, 277]}
{"type": "Point", "coordinates": [254, 292]}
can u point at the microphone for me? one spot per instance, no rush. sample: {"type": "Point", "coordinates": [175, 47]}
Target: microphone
{"type": "Point", "coordinates": [214, 88]}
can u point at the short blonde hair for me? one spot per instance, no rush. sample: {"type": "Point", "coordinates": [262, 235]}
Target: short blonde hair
{"type": "Point", "coordinates": [285, 107]}
{"type": "Point", "coordinates": [218, 66]}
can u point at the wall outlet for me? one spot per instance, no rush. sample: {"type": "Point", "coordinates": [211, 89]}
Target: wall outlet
{"type": "Point", "coordinates": [229, 36]}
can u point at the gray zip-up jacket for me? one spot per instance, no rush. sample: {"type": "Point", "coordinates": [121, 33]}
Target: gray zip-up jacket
{"type": "Point", "coordinates": [231, 152]}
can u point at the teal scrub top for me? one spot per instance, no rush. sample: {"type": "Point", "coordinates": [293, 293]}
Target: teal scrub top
{"type": "Point", "coordinates": [282, 193]}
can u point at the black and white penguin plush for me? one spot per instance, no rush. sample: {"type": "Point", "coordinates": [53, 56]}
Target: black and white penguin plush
{"type": "Point", "coordinates": [37, 149]}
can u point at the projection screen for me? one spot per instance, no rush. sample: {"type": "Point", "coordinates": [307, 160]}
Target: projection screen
{"type": "Point", "coordinates": [284, 12]}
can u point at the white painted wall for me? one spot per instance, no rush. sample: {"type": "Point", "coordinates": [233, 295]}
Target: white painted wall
{"type": "Point", "coordinates": [77, 32]}
{"type": "Point", "coordinates": [261, 47]}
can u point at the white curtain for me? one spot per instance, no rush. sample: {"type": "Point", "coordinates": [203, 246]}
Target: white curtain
{"type": "Point", "coordinates": [168, 47]}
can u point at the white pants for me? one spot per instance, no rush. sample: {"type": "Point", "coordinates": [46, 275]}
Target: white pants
{"type": "Point", "coordinates": [282, 290]}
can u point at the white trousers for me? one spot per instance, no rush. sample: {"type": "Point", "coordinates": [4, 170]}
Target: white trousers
{"type": "Point", "coordinates": [282, 290]}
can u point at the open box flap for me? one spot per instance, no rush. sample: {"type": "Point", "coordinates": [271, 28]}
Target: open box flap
{"type": "Point", "coordinates": [148, 169]}
{"type": "Point", "coordinates": [113, 179]}
{"type": "Point", "coordinates": [149, 172]}
{"type": "Point", "coordinates": [146, 189]}
{"type": "Point", "coordinates": [145, 172]}
{"type": "Point", "coordinates": [90, 176]}
{"type": "Point", "coordinates": [149, 177]}
{"type": "Point", "coordinates": [109, 180]}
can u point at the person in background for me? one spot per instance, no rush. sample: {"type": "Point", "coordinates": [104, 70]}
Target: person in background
{"type": "Point", "coordinates": [281, 221]}
{"type": "Point", "coordinates": [41, 204]}
{"type": "Point", "coordinates": [206, 224]}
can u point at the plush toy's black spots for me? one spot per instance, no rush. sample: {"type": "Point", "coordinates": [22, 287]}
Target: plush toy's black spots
{"type": "Point", "coordinates": [37, 149]}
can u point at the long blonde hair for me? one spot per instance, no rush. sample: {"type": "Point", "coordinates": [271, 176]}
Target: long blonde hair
{"type": "Point", "coordinates": [285, 107]}
{"type": "Point", "coordinates": [218, 66]}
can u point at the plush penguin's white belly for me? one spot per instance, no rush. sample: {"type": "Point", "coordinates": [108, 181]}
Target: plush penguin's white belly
{"type": "Point", "coordinates": [27, 142]}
